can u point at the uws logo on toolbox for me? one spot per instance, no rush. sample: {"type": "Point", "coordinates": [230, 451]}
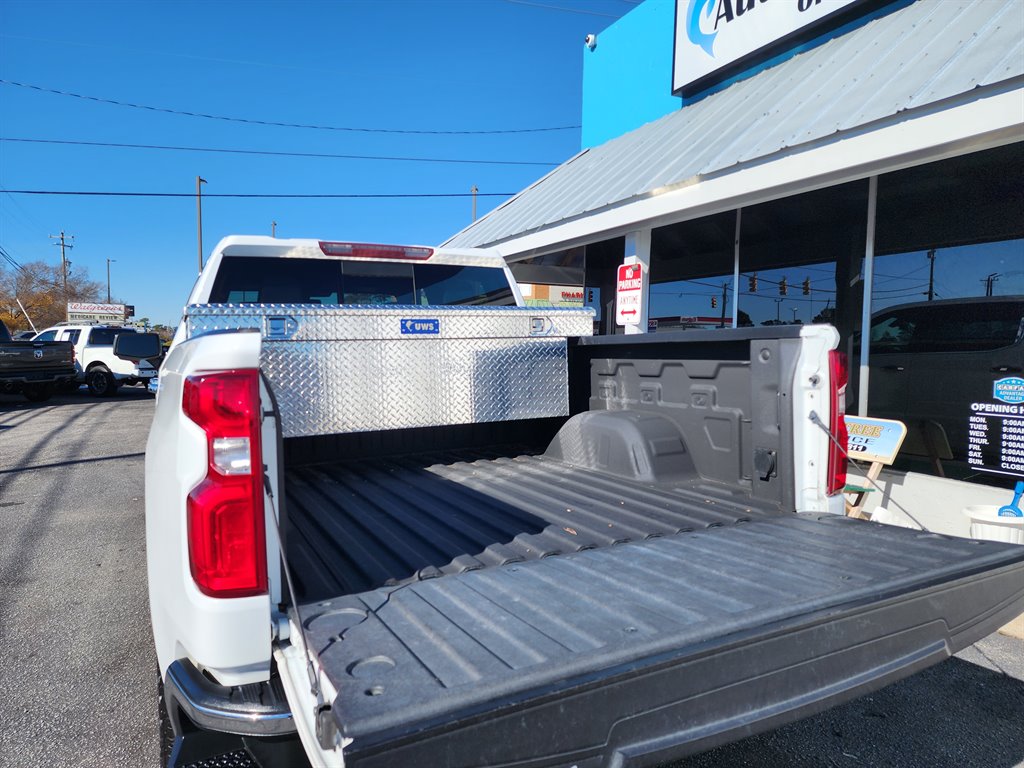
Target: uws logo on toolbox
{"type": "Point", "coordinates": [418, 326]}
{"type": "Point", "coordinates": [629, 294]}
{"type": "Point", "coordinates": [711, 34]}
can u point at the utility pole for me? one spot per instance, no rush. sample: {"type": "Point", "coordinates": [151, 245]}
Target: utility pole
{"type": "Point", "coordinates": [794, 314]}
{"type": "Point", "coordinates": [199, 218]}
{"type": "Point", "coordinates": [108, 278]}
{"type": "Point", "coordinates": [473, 190]}
{"type": "Point", "coordinates": [989, 281]}
{"type": "Point", "coordinates": [725, 287]}
{"type": "Point", "coordinates": [63, 261]}
{"type": "Point", "coordinates": [273, 229]}
{"type": "Point", "coordinates": [778, 303]}
{"type": "Point", "coordinates": [931, 274]}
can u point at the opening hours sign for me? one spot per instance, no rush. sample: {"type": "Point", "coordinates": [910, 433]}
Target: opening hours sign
{"type": "Point", "coordinates": [629, 294]}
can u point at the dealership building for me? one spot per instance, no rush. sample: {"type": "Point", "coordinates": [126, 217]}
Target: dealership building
{"type": "Point", "coordinates": [788, 161]}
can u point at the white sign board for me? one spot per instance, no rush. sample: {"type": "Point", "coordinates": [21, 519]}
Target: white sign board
{"type": "Point", "coordinates": [85, 312]}
{"type": "Point", "coordinates": [712, 34]}
{"type": "Point", "coordinates": [629, 294]}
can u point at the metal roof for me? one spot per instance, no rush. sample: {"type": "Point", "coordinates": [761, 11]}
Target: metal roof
{"type": "Point", "coordinates": [911, 58]}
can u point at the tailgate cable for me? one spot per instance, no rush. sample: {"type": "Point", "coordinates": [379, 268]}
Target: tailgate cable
{"type": "Point", "coordinates": [314, 676]}
{"type": "Point", "coordinates": [816, 419]}
{"type": "Point", "coordinates": [311, 669]}
{"type": "Point", "coordinates": [326, 729]}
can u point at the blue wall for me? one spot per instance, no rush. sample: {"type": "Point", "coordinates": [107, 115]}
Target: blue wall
{"type": "Point", "coordinates": [627, 78]}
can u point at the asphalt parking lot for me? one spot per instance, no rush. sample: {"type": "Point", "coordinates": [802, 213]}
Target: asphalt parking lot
{"type": "Point", "coordinates": [77, 673]}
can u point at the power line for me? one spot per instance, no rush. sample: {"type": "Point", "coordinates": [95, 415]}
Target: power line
{"type": "Point", "coordinates": [560, 8]}
{"type": "Point", "coordinates": [272, 153]}
{"type": "Point", "coordinates": [251, 121]}
{"type": "Point", "coordinates": [150, 52]}
{"type": "Point", "coordinates": [10, 259]}
{"type": "Point", "coordinates": [256, 195]}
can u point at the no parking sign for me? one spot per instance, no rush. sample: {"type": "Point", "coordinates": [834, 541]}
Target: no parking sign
{"type": "Point", "coordinates": [629, 294]}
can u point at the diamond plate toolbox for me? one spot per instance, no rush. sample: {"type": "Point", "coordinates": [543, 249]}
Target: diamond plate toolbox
{"type": "Point", "coordinates": [360, 369]}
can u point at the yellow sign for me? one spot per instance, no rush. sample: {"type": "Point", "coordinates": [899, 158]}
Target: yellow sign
{"type": "Point", "coordinates": [874, 440]}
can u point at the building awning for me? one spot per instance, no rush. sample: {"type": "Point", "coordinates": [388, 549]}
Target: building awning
{"type": "Point", "coordinates": [914, 63]}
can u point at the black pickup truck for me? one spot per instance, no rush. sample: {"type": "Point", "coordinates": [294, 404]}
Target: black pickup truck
{"type": "Point", "coordinates": [34, 368]}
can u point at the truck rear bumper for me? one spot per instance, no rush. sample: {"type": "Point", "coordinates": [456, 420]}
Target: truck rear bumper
{"type": "Point", "coordinates": [258, 709]}
{"type": "Point", "coordinates": [38, 377]}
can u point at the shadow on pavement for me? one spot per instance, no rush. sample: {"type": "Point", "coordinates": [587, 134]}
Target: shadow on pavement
{"type": "Point", "coordinates": [953, 714]}
{"type": "Point", "coordinates": [16, 403]}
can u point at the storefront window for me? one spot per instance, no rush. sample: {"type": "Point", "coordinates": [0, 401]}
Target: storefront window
{"type": "Point", "coordinates": [692, 273]}
{"type": "Point", "coordinates": [797, 257]}
{"type": "Point", "coordinates": [948, 314]}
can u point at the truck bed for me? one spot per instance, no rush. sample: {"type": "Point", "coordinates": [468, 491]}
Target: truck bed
{"type": "Point", "coordinates": [485, 607]}
{"type": "Point", "coordinates": [653, 649]}
{"type": "Point", "coordinates": [356, 526]}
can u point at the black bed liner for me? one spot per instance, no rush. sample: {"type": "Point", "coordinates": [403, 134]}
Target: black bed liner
{"type": "Point", "coordinates": [638, 653]}
{"type": "Point", "coordinates": [356, 526]}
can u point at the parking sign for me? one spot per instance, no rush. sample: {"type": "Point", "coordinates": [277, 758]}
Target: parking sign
{"type": "Point", "coordinates": [629, 294]}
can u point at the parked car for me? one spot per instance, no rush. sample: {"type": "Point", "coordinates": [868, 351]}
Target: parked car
{"type": "Point", "coordinates": [411, 534]}
{"type": "Point", "coordinates": [933, 361]}
{"type": "Point", "coordinates": [97, 365]}
{"type": "Point", "coordinates": [34, 368]}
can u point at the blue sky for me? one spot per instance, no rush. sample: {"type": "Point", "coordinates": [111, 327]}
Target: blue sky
{"type": "Point", "coordinates": [479, 65]}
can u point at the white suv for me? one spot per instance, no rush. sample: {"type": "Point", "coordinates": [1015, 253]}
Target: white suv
{"type": "Point", "coordinates": [95, 361]}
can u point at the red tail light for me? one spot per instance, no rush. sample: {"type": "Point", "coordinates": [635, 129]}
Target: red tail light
{"type": "Point", "coordinates": [839, 375]}
{"type": "Point", "coordinates": [226, 531]}
{"type": "Point", "coordinates": [372, 251]}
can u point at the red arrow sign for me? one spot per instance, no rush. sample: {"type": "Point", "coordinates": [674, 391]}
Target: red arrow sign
{"type": "Point", "coordinates": [629, 311]}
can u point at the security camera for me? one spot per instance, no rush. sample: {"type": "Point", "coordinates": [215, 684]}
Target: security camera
{"type": "Point", "coordinates": [590, 41]}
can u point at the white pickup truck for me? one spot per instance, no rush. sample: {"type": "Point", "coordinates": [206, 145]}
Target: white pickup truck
{"type": "Point", "coordinates": [96, 364]}
{"type": "Point", "coordinates": [394, 518]}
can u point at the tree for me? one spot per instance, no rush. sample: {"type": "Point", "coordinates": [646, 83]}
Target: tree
{"type": "Point", "coordinates": [827, 315]}
{"type": "Point", "coordinates": [165, 332]}
{"type": "Point", "coordinates": [40, 289]}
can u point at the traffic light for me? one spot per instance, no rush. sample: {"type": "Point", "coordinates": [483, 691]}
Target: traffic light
{"type": "Point", "coordinates": [753, 283]}
{"type": "Point", "coordinates": [714, 302]}
{"type": "Point", "coordinates": [807, 286]}
{"type": "Point", "coordinates": [783, 290]}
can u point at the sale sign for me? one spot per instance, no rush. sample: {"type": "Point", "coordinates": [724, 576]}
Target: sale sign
{"type": "Point", "coordinates": [629, 294]}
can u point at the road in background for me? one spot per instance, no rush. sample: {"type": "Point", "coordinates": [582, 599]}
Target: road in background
{"type": "Point", "coordinates": [78, 669]}
{"type": "Point", "coordinates": [77, 672]}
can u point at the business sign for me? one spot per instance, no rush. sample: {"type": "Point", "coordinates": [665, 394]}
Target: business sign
{"type": "Point", "coordinates": [85, 312]}
{"type": "Point", "coordinates": [871, 440]}
{"type": "Point", "coordinates": [629, 294]}
{"type": "Point", "coordinates": [995, 430]}
{"type": "Point", "coordinates": [536, 295]}
{"type": "Point", "coordinates": [1009, 390]}
{"type": "Point", "coordinates": [712, 35]}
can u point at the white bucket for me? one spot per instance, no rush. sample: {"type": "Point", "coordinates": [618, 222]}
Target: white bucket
{"type": "Point", "coordinates": [893, 517]}
{"type": "Point", "coordinates": [987, 524]}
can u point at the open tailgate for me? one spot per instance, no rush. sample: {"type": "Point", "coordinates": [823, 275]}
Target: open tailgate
{"type": "Point", "coordinates": [647, 651]}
